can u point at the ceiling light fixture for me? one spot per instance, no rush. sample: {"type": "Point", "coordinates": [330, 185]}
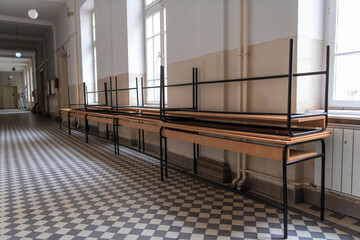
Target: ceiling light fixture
{"type": "Point", "coordinates": [18, 53]}
{"type": "Point", "coordinates": [13, 68]}
{"type": "Point", "coordinates": [33, 14]}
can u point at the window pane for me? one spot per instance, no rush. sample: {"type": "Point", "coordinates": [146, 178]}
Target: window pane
{"type": "Point", "coordinates": [93, 26]}
{"type": "Point", "coordinates": [149, 27]}
{"type": "Point", "coordinates": [165, 55]}
{"type": "Point", "coordinates": [348, 26]}
{"type": "Point", "coordinates": [347, 75]}
{"type": "Point", "coordinates": [164, 19]}
{"type": "Point", "coordinates": [147, 2]}
{"type": "Point", "coordinates": [157, 56]}
{"type": "Point", "coordinates": [149, 59]}
{"type": "Point", "coordinates": [156, 23]}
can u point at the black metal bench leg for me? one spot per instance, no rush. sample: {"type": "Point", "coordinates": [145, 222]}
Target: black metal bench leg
{"type": "Point", "coordinates": [87, 130]}
{"type": "Point", "coordinates": [322, 204]}
{"type": "Point", "coordinates": [117, 137]}
{"type": "Point", "coordinates": [114, 134]}
{"type": "Point", "coordinates": [143, 139]}
{"type": "Point", "coordinates": [60, 119]}
{"type": "Point", "coordinates": [161, 157]}
{"type": "Point", "coordinates": [166, 159]}
{"type": "Point", "coordinates": [107, 131]}
{"type": "Point", "coordinates": [285, 211]}
{"type": "Point", "coordinates": [69, 125]}
{"type": "Point", "coordinates": [139, 140]}
{"type": "Point", "coordinates": [195, 163]}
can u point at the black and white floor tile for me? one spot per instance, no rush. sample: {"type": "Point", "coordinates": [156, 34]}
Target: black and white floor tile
{"type": "Point", "coordinates": [55, 186]}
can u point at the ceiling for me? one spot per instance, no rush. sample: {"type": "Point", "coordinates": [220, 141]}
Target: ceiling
{"type": "Point", "coordinates": [6, 64]}
{"type": "Point", "coordinates": [14, 15]}
{"type": "Point", "coordinates": [23, 29]}
{"type": "Point", "coordinates": [47, 9]}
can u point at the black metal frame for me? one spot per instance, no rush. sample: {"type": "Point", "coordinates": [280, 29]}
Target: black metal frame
{"type": "Point", "coordinates": [288, 114]}
{"type": "Point", "coordinates": [195, 84]}
{"type": "Point", "coordinates": [285, 163]}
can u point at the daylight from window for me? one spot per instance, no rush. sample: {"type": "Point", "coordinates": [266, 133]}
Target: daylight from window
{"type": "Point", "coordinates": [347, 51]}
{"type": "Point", "coordinates": [155, 38]}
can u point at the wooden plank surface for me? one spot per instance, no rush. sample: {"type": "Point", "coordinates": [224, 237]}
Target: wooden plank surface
{"type": "Point", "coordinates": [270, 138]}
{"type": "Point", "coordinates": [315, 121]}
{"type": "Point", "coordinates": [139, 125]}
{"type": "Point", "coordinates": [297, 154]}
{"type": "Point", "coordinates": [268, 152]}
{"type": "Point", "coordinates": [101, 120]}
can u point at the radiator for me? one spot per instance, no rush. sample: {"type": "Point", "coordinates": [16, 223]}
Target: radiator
{"type": "Point", "coordinates": [342, 164]}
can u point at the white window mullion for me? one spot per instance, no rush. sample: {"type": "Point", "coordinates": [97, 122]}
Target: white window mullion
{"type": "Point", "coordinates": [154, 36]}
{"type": "Point", "coordinates": [345, 53]}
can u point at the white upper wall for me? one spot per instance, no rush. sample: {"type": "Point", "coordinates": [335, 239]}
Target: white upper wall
{"type": "Point", "coordinates": [311, 19]}
{"type": "Point", "coordinates": [66, 40]}
{"type": "Point", "coordinates": [119, 36]}
{"type": "Point", "coordinates": [194, 28]}
{"type": "Point", "coordinates": [111, 37]}
{"type": "Point", "coordinates": [232, 8]}
{"type": "Point", "coordinates": [272, 20]}
{"type": "Point", "coordinates": [135, 33]}
{"type": "Point", "coordinates": [103, 38]}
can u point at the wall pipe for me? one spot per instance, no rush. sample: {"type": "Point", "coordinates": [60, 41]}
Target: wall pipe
{"type": "Point", "coordinates": [239, 99]}
{"type": "Point", "coordinates": [244, 84]}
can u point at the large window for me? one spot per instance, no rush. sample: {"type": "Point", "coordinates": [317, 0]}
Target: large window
{"type": "Point", "coordinates": [344, 35]}
{"type": "Point", "coordinates": [88, 49]}
{"type": "Point", "coordinates": [155, 40]}
{"type": "Point", "coordinates": [94, 54]}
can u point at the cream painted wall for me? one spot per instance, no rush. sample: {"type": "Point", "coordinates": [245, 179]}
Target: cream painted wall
{"type": "Point", "coordinates": [268, 58]}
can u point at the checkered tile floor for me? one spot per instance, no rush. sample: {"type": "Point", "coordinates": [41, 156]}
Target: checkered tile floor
{"type": "Point", "coordinates": [55, 186]}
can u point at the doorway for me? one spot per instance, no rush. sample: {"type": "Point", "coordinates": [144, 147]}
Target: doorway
{"type": "Point", "coordinates": [10, 100]}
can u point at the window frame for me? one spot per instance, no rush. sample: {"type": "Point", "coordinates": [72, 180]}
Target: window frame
{"type": "Point", "coordinates": [150, 10]}
{"type": "Point", "coordinates": [330, 37]}
{"type": "Point", "coordinates": [94, 53]}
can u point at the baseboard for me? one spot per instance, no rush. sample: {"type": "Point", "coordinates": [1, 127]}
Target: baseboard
{"type": "Point", "coordinates": [335, 202]}
{"type": "Point", "coordinates": [271, 189]}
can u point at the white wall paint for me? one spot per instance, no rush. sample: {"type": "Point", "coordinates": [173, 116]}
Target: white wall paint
{"type": "Point", "coordinates": [232, 24]}
{"type": "Point", "coordinates": [311, 19]}
{"type": "Point", "coordinates": [135, 32]}
{"type": "Point", "coordinates": [103, 33]}
{"type": "Point", "coordinates": [119, 36]}
{"type": "Point", "coordinates": [272, 20]}
{"type": "Point", "coordinates": [66, 40]}
{"type": "Point", "coordinates": [194, 28]}
{"type": "Point", "coordinates": [111, 35]}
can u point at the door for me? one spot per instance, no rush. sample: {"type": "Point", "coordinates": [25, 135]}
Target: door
{"type": "Point", "coordinates": [10, 100]}
{"type": "Point", "coordinates": [64, 81]}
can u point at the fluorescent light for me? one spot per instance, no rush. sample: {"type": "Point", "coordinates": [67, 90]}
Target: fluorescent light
{"type": "Point", "coordinates": [18, 54]}
{"type": "Point", "coordinates": [33, 14]}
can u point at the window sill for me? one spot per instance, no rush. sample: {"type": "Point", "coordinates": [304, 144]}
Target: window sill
{"type": "Point", "coordinates": [350, 117]}
{"type": "Point", "coordinates": [344, 117]}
